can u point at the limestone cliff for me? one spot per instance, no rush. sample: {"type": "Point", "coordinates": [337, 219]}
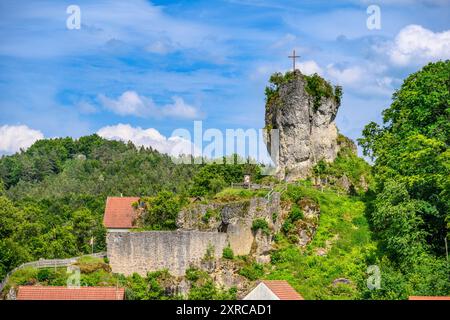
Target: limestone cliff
{"type": "Point", "coordinates": [303, 109]}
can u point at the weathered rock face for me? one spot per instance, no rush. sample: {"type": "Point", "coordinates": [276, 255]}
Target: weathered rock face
{"type": "Point", "coordinates": [235, 220]}
{"type": "Point", "coordinates": [307, 130]}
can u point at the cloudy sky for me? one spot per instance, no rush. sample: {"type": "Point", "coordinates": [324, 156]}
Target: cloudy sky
{"type": "Point", "coordinates": [138, 70]}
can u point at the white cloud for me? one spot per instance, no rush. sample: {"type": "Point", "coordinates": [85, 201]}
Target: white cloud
{"type": "Point", "coordinates": [180, 109]}
{"type": "Point", "coordinates": [14, 138]}
{"type": "Point", "coordinates": [130, 103]}
{"type": "Point", "coordinates": [415, 44]}
{"type": "Point", "coordinates": [345, 76]}
{"type": "Point", "coordinates": [173, 146]}
{"type": "Point", "coordinates": [310, 67]}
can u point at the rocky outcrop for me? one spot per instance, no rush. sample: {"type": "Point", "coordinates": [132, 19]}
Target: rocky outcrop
{"type": "Point", "coordinates": [225, 274]}
{"type": "Point", "coordinates": [235, 219]}
{"type": "Point", "coordinates": [303, 109]}
{"type": "Point", "coordinates": [301, 231]}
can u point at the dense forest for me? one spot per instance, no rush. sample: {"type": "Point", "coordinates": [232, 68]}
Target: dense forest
{"type": "Point", "coordinates": [52, 195]}
{"type": "Point", "coordinates": [52, 198]}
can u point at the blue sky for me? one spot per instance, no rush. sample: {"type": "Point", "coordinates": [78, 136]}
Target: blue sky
{"type": "Point", "coordinates": [155, 66]}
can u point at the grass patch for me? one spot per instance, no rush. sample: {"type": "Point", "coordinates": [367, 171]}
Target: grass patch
{"type": "Point", "coordinates": [234, 194]}
{"type": "Point", "coordinates": [351, 248]}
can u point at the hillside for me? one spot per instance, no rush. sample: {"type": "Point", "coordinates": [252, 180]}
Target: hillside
{"type": "Point", "coordinates": [341, 249]}
{"type": "Point", "coordinates": [333, 228]}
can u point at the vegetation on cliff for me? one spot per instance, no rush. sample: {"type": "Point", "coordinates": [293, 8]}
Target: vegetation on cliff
{"type": "Point", "coordinates": [316, 87]}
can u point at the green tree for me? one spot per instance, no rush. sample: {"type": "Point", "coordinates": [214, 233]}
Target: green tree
{"type": "Point", "coordinates": [162, 211]}
{"type": "Point", "coordinates": [411, 147]}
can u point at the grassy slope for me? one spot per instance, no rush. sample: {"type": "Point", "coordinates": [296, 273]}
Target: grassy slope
{"type": "Point", "coordinates": [344, 226]}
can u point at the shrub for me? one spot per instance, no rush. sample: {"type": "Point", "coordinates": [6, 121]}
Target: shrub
{"type": "Point", "coordinates": [260, 224]}
{"type": "Point", "coordinates": [296, 213]}
{"type": "Point", "coordinates": [318, 88]}
{"type": "Point", "coordinates": [193, 274]}
{"type": "Point", "coordinates": [253, 271]}
{"type": "Point", "coordinates": [274, 217]}
{"type": "Point", "coordinates": [91, 264]}
{"type": "Point", "coordinates": [44, 275]}
{"type": "Point", "coordinates": [227, 253]}
{"type": "Point", "coordinates": [277, 237]}
{"type": "Point", "coordinates": [208, 215]}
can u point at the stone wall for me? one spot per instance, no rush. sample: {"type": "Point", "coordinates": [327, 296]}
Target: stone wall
{"type": "Point", "coordinates": [234, 218]}
{"type": "Point", "coordinates": [141, 252]}
{"type": "Point", "coordinates": [230, 224]}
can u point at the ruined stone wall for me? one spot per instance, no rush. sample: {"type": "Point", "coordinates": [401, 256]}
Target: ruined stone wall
{"type": "Point", "coordinates": [146, 251]}
{"type": "Point", "coordinates": [230, 224]}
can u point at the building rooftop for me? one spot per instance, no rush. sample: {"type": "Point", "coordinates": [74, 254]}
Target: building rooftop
{"type": "Point", "coordinates": [282, 289]}
{"type": "Point", "coordinates": [66, 293]}
{"type": "Point", "coordinates": [119, 212]}
{"type": "Point", "coordinates": [428, 298]}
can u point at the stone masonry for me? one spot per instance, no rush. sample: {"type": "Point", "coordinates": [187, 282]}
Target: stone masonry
{"type": "Point", "coordinates": [141, 252]}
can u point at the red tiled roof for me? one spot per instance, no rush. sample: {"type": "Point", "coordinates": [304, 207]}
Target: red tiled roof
{"type": "Point", "coordinates": [428, 298]}
{"type": "Point", "coordinates": [119, 212]}
{"type": "Point", "coordinates": [282, 289]}
{"type": "Point", "coordinates": [66, 293]}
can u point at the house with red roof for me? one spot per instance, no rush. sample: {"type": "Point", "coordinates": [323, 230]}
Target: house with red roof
{"type": "Point", "coordinates": [273, 290]}
{"type": "Point", "coordinates": [429, 298]}
{"type": "Point", "coordinates": [69, 293]}
{"type": "Point", "coordinates": [120, 213]}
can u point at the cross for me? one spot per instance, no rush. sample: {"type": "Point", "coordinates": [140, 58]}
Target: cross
{"type": "Point", "coordinates": [293, 59]}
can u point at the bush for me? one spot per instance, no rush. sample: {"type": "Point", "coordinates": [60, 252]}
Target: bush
{"type": "Point", "coordinates": [294, 215]}
{"type": "Point", "coordinates": [161, 211]}
{"type": "Point", "coordinates": [194, 274]}
{"type": "Point", "coordinates": [318, 88]}
{"type": "Point", "coordinates": [91, 264]}
{"type": "Point", "coordinates": [274, 217]}
{"type": "Point", "coordinates": [44, 275]}
{"type": "Point", "coordinates": [228, 253]}
{"type": "Point", "coordinates": [253, 271]}
{"type": "Point", "coordinates": [208, 215]}
{"type": "Point", "coordinates": [260, 224]}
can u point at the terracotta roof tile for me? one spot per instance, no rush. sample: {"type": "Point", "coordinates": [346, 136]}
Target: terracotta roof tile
{"type": "Point", "coordinates": [282, 289]}
{"type": "Point", "coordinates": [66, 293]}
{"type": "Point", "coordinates": [429, 298]}
{"type": "Point", "coordinates": [119, 212]}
